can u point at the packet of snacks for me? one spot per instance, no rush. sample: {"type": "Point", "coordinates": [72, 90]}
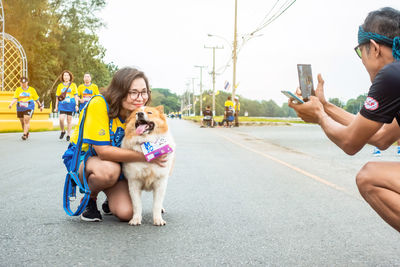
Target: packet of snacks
{"type": "Point", "coordinates": [152, 150]}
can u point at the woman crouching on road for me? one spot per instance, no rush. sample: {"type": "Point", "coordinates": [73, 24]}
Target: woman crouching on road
{"type": "Point", "coordinates": [104, 131]}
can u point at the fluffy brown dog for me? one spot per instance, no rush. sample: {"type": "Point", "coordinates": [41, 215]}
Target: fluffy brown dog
{"type": "Point", "coordinates": [147, 124]}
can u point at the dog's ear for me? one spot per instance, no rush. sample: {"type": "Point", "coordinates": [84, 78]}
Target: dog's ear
{"type": "Point", "coordinates": [160, 109]}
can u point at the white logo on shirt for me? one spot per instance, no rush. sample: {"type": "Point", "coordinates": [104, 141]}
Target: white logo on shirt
{"type": "Point", "coordinates": [371, 104]}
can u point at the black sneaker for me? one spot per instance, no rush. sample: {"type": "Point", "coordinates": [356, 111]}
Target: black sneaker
{"type": "Point", "coordinates": [62, 135]}
{"type": "Point", "coordinates": [67, 138]}
{"type": "Point", "coordinates": [106, 208]}
{"type": "Point", "coordinates": [91, 213]}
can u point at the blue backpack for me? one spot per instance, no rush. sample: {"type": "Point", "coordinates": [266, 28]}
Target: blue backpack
{"type": "Point", "coordinates": [73, 157]}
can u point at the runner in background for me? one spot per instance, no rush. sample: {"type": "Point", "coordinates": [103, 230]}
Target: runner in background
{"type": "Point", "coordinates": [25, 97]}
{"type": "Point", "coordinates": [66, 102]}
{"type": "Point", "coordinates": [86, 90]}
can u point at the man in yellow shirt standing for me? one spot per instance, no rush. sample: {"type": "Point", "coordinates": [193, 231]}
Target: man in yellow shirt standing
{"type": "Point", "coordinates": [86, 90]}
{"type": "Point", "coordinates": [25, 97]}
{"type": "Point", "coordinates": [229, 112]}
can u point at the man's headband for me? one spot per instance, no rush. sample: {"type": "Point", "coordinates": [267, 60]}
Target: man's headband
{"type": "Point", "coordinates": [364, 37]}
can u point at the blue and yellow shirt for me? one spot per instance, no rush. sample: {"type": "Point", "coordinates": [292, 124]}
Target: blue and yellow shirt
{"type": "Point", "coordinates": [86, 92]}
{"type": "Point", "coordinates": [238, 107]}
{"type": "Point", "coordinates": [229, 103]}
{"type": "Point", "coordinates": [26, 98]}
{"type": "Point", "coordinates": [68, 104]}
{"type": "Point", "coordinates": [97, 126]}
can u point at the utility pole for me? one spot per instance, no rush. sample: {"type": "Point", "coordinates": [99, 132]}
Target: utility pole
{"type": "Point", "coordinates": [201, 88]}
{"type": "Point", "coordinates": [194, 100]}
{"type": "Point", "coordinates": [188, 96]}
{"type": "Point", "coordinates": [234, 59]}
{"type": "Point", "coordinates": [213, 74]}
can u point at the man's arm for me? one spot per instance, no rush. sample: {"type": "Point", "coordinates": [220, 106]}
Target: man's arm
{"type": "Point", "coordinates": [384, 138]}
{"type": "Point", "coordinates": [386, 135]}
{"type": "Point", "coordinates": [350, 138]}
{"type": "Point", "coordinates": [353, 137]}
{"type": "Point", "coordinates": [338, 114]}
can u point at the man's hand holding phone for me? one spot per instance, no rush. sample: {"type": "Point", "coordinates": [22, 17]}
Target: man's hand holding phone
{"type": "Point", "coordinates": [319, 92]}
{"type": "Point", "coordinates": [311, 111]}
{"type": "Point", "coordinates": [293, 97]}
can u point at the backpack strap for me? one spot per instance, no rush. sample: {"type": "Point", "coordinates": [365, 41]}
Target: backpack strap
{"type": "Point", "coordinates": [72, 178]}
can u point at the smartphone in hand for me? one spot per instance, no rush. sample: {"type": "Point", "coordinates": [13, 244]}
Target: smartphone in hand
{"type": "Point", "coordinates": [305, 81]}
{"type": "Point", "coordinates": [291, 95]}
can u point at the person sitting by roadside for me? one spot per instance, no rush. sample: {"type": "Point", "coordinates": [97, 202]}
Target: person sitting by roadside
{"type": "Point", "coordinates": [378, 121]}
{"type": "Point", "coordinates": [207, 120]}
{"type": "Point", "coordinates": [229, 115]}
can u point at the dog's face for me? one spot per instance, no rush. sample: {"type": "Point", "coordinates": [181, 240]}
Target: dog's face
{"type": "Point", "coordinates": [146, 120]}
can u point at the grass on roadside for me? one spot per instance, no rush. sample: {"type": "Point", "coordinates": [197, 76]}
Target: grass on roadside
{"type": "Point", "coordinates": [247, 119]}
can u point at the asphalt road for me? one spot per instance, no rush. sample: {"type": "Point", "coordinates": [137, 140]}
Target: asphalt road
{"type": "Point", "coordinates": [276, 196]}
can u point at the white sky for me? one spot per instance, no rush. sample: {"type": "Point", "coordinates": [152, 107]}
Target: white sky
{"type": "Point", "coordinates": [166, 39]}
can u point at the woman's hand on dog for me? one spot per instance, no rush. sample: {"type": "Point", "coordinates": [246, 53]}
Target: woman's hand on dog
{"type": "Point", "coordinates": [161, 161]}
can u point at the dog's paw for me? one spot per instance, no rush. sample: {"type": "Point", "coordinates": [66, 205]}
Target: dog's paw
{"type": "Point", "coordinates": [136, 220]}
{"type": "Point", "coordinates": [162, 210]}
{"type": "Point", "coordinates": [159, 221]}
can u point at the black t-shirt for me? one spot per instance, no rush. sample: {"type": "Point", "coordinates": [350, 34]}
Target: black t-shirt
{"type": "Point", "coordinates": [207, 112]}
{"type": "Point", "coordinates": [383, 101]}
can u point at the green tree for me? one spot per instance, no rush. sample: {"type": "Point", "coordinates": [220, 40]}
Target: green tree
{"type": "Point", "coordinates": [58, 35]}
{"type": "Point", "coordinates": [337, 102]}
{"type": "Point", "coordinates": [355, 105]}
{"type": "Point", "coordinates": [162, 96]}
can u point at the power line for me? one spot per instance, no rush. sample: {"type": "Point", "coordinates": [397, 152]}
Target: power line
{"type": "Point", "coordinates": [264, 23]}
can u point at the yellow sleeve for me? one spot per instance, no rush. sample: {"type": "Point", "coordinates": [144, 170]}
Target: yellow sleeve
{"type": "Point", "coordinates": [34, 94]}
{"type": "Point", "coordinates": [59, 87]}
{"type": "Point", "coordinates": [74, 90]}
{"type": "Point", "coordinates": [80, 91]}
{"type": "Point", "coordinates": [96, 129]}
{"type": "Point", "coordinates": [17, 92]}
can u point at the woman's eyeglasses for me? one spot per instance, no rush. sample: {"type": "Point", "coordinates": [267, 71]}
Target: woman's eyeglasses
{"type": "Point", "coordinates": [135, 94]}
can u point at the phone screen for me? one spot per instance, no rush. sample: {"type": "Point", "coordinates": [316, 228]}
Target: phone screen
{"type": "Point", "coordinates": [291, 95]}
{"type": "Point", "coordinates": [305, 80]}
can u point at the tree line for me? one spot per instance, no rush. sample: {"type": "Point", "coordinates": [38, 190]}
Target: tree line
{"type": "Point", "coordinates": [58, 35]}
{"type": "Point", "coordinates": [253, 108]}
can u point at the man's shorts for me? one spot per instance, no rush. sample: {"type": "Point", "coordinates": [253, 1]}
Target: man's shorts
{"type": "Point", "coordinates": [29, 112]}
{"type": "Point", "coordinates": [66, 112]}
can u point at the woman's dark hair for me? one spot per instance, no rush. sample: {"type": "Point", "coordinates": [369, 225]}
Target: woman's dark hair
{"type": "Point", "coordinates": [119, 88]}
{"type": "Point", "coordinates": [384, 21]}
{"type": "Point", "coordinates": [70, 75]}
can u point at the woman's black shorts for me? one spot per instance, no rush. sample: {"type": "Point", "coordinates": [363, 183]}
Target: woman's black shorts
{"type": "Point", "coordinates": [66, 112]}
{"type": "Point", "coordinates": [29, 112]}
